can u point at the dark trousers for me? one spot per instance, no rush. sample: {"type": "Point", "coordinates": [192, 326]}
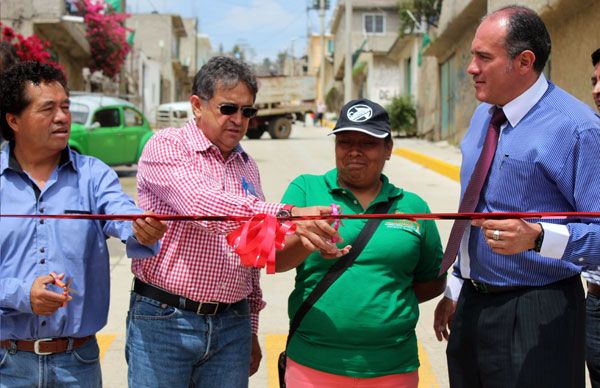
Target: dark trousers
{"type": "Point", "coordinates": [593, 338]}
{"type": "Point", "coordinates": [526, 338]}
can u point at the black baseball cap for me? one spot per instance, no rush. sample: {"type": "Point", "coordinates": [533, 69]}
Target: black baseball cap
{"type": "Point", "coordinates": [364, 116]}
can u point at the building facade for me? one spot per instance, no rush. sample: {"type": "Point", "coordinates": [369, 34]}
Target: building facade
{"type": "Point", "coordinates": [53, 21]}
{"type": "Point", "coordinates": [573, 29]}
{"type": "Point", "coordinates": [374, 29]}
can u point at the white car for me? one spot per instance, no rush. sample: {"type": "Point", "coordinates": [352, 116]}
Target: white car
{"type": "Point", "coordinates": [174, 114]}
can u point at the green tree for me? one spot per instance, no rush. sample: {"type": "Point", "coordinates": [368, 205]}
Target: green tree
{"type": "Point", "coordinates": [425, 12]}
{"type": "Point", "coordinates": [334, 100]}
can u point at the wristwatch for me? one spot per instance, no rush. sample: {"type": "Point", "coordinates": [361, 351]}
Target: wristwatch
{"type": "Point", "coordinates": [286, 211]}
{"type": "Point", "coordinates": [539, 240]}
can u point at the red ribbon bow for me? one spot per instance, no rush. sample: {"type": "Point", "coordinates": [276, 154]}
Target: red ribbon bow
{"type": "Point", "coordinates": [256, 240]}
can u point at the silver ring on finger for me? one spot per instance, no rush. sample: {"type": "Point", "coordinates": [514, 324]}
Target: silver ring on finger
{"type": "Point", "coordinates": [496, 235]}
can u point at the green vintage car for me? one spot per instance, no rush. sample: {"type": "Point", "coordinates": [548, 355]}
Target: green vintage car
{"type": "Point", "coordinates": [110, 129]}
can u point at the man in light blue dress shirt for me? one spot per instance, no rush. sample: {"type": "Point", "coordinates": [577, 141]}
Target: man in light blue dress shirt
{"type": "Point", "coordinates": [515, 302]}
{"type": "Point", "coordinates": [47, 336]}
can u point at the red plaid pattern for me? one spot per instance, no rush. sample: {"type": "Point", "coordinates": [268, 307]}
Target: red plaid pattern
{"type": "Point", "coordinates": [182, 172]}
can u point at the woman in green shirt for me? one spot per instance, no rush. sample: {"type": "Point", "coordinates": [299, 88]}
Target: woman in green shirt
{"type": "Point", "coordinates": [361, 331]}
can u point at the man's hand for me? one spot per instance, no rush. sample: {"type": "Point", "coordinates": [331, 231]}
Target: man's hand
{"type": "Point", "coordinates": [149, 230]}
{"type": "Point", "coordinates": [255, 355]}
{"type": "Point", "coordinates": [318, 234]}
{"type": "Point", "coordinates": [513, 236]}
{"type": "Point", "coordinates": [442, 318]}
{"type": "Point", "coordinates": [44, 301]}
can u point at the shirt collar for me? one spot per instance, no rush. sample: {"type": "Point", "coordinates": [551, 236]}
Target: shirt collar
{"type": "Point", "coordinates": [9, 161]}
{"type": "Point", "coordinates": [520, 106]}
{"type": "Point", "coordinates": [200, 143]}
{"type": "Point", "coordinates": [388, 190]}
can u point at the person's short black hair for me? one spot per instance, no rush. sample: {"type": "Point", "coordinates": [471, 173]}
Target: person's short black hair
{"type": "Point", "coordinates": [526, 31]}
{"type": "Point", "coordinates": [8, 56]}
{"type": "Point", "coordinates": [596, 57]}
{"type": "Point", "coordinates": [13, 84]}
{"type": "Point", "coordinates": [224, 72]}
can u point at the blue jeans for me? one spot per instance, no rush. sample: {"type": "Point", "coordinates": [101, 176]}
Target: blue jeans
{"type": "Point", "coordinates": [75, 368]}
{"type": "Point", "coordinates": [592, 307]}
{"type": "Point", "coordinates": [170, 347]}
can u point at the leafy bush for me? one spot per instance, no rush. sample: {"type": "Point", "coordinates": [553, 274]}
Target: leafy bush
{"type": "Point", "coordinates": [105, 33]}
{"type": "Point", "coordinates": [30, 48]}
{"type": "Point", "coordinates": [403, 115]}
{"type": "Point", "coordinates": [334, 100]}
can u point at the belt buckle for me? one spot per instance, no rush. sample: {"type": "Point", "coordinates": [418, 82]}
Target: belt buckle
{"type": "Point", "coordinates": [36, 346]}
{"type": "Point", "coordinates": [214, 312]}
{"type": "Point", "coordinates": [479, 286]}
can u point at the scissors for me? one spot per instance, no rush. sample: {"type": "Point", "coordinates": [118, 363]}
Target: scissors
{"type": "Point", "coordinates": [65, 286]}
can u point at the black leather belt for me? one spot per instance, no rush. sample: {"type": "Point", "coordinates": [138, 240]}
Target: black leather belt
{"type": "Point", "coordinates": [485, 288]}
{"type": "Point", "coordinates": [180, 302]}
{"type": "Point", "coordinates": [593, 289]}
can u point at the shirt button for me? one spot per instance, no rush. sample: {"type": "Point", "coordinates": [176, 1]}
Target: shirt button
{"type": "Point", "coordinates": [42, 250]}
{"type": "Point", "coordinates": [581, 259]}
{"type": "Point", "coordinates": [41, 210]}
{"type": "Point", "coordinates": [355, 201]}
{"type": "Point", "coordinates": [43, 261]}
{"type": "Point", "coordinates": [42, 221]}
{"type": "Point", "coordinates": [43, 323]}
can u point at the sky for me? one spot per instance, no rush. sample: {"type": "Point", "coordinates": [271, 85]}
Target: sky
{"type": "Point", "coordinates": [267, 26]}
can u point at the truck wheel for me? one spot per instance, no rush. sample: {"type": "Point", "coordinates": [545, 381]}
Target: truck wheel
{"type": "Point", "coordinates": [255, 133]}
{"type": "Point", "coordinates": [280, 128]}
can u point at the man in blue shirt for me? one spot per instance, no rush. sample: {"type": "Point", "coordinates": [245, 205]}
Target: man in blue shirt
{"type": "Point", "coordinates": [47, 335]}
{"type": "Point", "coordinates": [592, 275]}
{"type": "Point", "coordinates": [519, 319]}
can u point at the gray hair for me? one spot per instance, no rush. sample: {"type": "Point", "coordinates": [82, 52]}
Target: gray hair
{"type": "Point", "coordinates": [223, 72]}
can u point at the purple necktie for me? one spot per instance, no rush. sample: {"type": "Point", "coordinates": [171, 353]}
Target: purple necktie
{"type": "Point", "coordinates": [471, 196]}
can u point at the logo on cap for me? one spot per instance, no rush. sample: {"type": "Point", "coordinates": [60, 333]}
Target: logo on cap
{"type": "Point", "coordinates": [359, 113]}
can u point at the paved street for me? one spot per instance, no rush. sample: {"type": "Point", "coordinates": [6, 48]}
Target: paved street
{"type": "Point", "coordinates": [308, 151]}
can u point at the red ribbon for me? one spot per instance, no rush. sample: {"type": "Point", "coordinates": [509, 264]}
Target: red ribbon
{"type": "Point", "coordinates": [257, 239]}
{"type": "Point", "coordinates": [259, 236]}
{"type": "Point", "coordinates": [396, 216]}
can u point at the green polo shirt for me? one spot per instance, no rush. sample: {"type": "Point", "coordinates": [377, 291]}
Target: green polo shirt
{"type": "Point", "coordinates": [364, 324]}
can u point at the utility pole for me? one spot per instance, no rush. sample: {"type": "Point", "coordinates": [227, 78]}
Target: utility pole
{"type": "Point", "coordinates": [348, 59]}
{"type": "Point", "coordinates": [322, 64]}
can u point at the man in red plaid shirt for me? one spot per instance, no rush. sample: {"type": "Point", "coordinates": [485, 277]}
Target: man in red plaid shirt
{"type": "Point", "coordinates": [193, 314]}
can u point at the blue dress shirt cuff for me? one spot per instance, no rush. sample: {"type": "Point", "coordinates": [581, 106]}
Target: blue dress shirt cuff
{"type": "Point", "coordinates": [136, 250]}
{"type": "Point", "coordinates": [15, 294]}
{"type": "Point", "coordinates": [556, 238]}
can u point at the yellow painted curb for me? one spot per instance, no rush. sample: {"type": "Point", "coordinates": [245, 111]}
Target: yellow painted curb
{"type": "Point", "coordinates": [447, 169]}
{"type": "Point", "coordinates": [104, 341]}
{"type": "Point", "coordinates": [275, 343]}
{"type": "Point", "coordinates": [426, 376]}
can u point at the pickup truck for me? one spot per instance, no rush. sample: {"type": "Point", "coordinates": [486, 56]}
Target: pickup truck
{"type": "Point", "coordinates": [281, 100]}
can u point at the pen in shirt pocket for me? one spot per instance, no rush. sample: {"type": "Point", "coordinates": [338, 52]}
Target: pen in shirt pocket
{"type": "Point", "coordinates": [245, 186]}
{"type": "Point", "coordinates": [248, 187]}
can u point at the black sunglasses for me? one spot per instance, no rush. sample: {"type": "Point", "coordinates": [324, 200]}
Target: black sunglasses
{"type": "Point", "coordinates": [231, 109]}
